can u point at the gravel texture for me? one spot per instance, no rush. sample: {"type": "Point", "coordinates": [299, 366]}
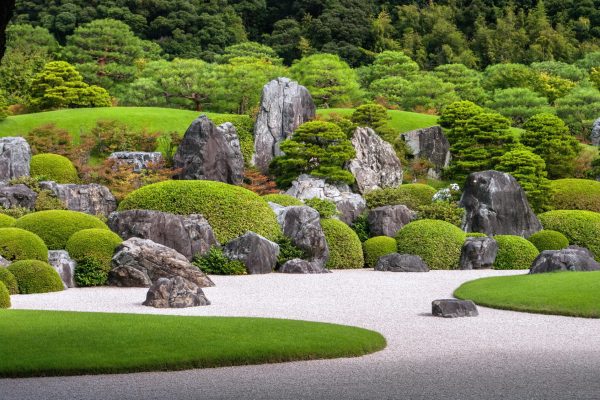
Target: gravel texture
{"type": "Point", "coordinates": [497, 355]}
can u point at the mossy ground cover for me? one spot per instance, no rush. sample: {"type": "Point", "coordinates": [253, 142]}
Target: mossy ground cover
{"type": "Point", "coordinates": [574, 294]}
{"type": "Point", "coordinates": [46, 343]}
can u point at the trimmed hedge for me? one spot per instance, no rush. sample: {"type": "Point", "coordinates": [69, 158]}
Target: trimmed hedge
{"type": "Point", "coordinates": [345, 249]}
{"type": "Point", "coordinates": [582, 228]}
{"type": "Point", "coordinates": [230, 210]}
{"type": "Point", "coordinates": [87, 246]}
{"type": "Point", "coordinates": [412, 195]}
{"type": "Point", "coordinates": [514, 252]}
{"type": "Point", "coordinates": [548, 239]}
{"type": "Point", "coordinates": [19, 244]}
{"type": "Point", "coordinates": [53, 167]}
{"type": "Point", "coordinates": [325, 208]}
{"type": "Point", "coordinates": [6, 221]}
{"type": "Point", "coordinates": [55, 227]}
{"type": "Point", "coordinates": [284, 200]}
{"type": "Point", "coordinates": [9, 280]}
{"type": "Point", "coordinates": [376, 247]}
{"type": "Point", "coordinates": [4, 296]}
{"type": "Point", "coordinates": [575, 194]}
{"type": "Point", "coordinates": [438, 243]}
{"type": "Point", "coordinates": [34, 276]}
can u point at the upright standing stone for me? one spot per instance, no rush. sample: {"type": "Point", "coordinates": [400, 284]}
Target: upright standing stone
{"type": "Point", "coordinates": [15, 156]}
{"type": "Point", "coordinates": [258, 254]}
{"type": "Point", "coordinates": [595, 136]}
{"type": "Point", "coordinates": [64, 265]}
{"type": "Point", "coordinates": [478, 253]}
{"type": "Point", "coordinates": [91, 199]}
{"type": "Point", "coordinates": [284, 106]}
{"type": "Point", "coordinates": [432, 145]}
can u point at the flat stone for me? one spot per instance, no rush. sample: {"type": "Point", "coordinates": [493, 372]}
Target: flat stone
{"type": "Point", "coordinates": [140, 160]}
{"type": "Point", "coordinates": [395, 262]}
{"type": "Point", "coordinates": [91, 199]}
{"type": "Point", "coordinates": [298, 266]}
{"type": "Point", "coordinates": [453, 308]}
{"type": "Point", "coordinates": [175, 292]}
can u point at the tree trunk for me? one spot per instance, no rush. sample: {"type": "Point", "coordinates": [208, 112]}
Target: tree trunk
{"type": "Point", "coordinates": [7, 7]}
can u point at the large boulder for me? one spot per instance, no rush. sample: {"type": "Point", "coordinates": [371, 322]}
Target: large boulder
{"type": "Point", "coordinates": [298, 266]}
{"type": "Point", "coordinates": [478, 253]}
{"type": "Point", "coordinates": [64, 265]}
{"type": "Point", "coordinates": [91, 199]}
{"type": "Point", "coordinates": [350, 205]}
{"type": "Point", "coordinates": [388, 220]}
{"type": "Point", "coordinates": [569, 259]}
{"type": "Point", "coordinates": [595, 136]}
{"type": "Point", "coordinates": [188, 234]}
{"type": "Point", "coordinates": [141, 262]}
{"type": "Point", "coordinates": [495, 204]}
{"type": "Point", "coordinates": [210, 152]}
{"type": "Point", "coordinates": [17, 196]}
{"type": "Point", "coordinates": [139, 159]}
{"type": "Point", "coordinates": [395, 262]}
{"type": "Point", "coordinates": [284, 106]}
{"type": "Point", "coordinates": [15, 156]}
{"type": "Point", "coordinates": [257, 253]}
{"type": "Point", "coordinates": [432, 145]}
{"type": "Point", "coordinates": [175, 292]}
{"type": "Point", "coordinates": [376, 164]}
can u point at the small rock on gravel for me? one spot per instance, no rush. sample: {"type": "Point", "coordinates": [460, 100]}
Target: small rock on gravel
{"type": "Point", "coordinates": [401, 263]}
{"type": "Point", "coordinates": [175, 292]}
{"type": "Point", "coordinates": [453, 308]}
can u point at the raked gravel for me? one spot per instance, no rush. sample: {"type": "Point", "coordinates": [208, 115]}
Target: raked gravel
{"type": "Point", "coordinates": [498, 355]}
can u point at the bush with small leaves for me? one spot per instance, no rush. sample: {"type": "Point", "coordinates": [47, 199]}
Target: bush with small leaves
{"type": "Point", "coordinates": [514, 252]}
{"type": "Point", "coordinates": [34, 276]}
{"type": "Point", "coordinates": [284, 200]}
{"type": "Point", "coordinates": [361, 227]}
{"type": "Point", "coordinates": [549, 240]}
{"type": "Point", "coordinates": [9, 280]}
{"type": "Point", "coordinates": [376, 247]}
{"type": "Point", "coordinates": [19, 244]}
{"type": "Point", "coordinates": [93, 250]}
{"type": "Point", "coordinates": [6, 221]}
{"type": "Point", "coordinates": [442, 210]}
{"type": "Point", "coordinates": [287, 250]}
{"type": "Point", "coordinates": [53, 167]}
{"type": "Point", "coordinates": [4, 296]}
{"type": "Point", "coordinates": [325, 208]}
{"type": "Point", "coordinates": [345, 249]}
{"type": "Point", "coordinates": [575, 194]}
{"type": "Point", "coordinates": [215, 263]}
{"type": "Point", "coordinates": [411, 195]}
{"type": "Point", "coordinates": [582, 228]}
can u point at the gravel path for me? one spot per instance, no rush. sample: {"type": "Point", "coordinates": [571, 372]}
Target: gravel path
{"type": "Point", "coordinates": [498, 355]}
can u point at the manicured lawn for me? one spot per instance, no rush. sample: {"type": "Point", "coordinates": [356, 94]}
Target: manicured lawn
{"type": "Point", "coordinates": [574, 294]}
{"type": "Point", "coordinates": [46, 343]}
{"type": "Point", "coordinates": [403, 121]}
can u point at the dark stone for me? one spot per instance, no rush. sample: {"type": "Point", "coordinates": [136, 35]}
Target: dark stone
{"type": "Point", "coordinates": [139, 159]}
{"type": "Point", "coordinates": [595, 136]}
{"type": "Point", "coordinates": [401, 263]}
{"type": "Point", "coordinates": [64, 265]}
{"type": "Point", "coordinates": [258, 254]}
{"type": "Point", "coordinates": [210, 152]}
{"type": "Point", "coordinates": [298, 266]}
{"type": "Point", "coordinates": [453, 308]}
{"type": "Point", "coordinates": [495, 204]}
{"type": "Point", "coordinates": [432, 145]}
{"type": "Point", "coordinates": [478, 253]}
{"type": "Point", "coordinates": [388, 220]}
{"type": "Point", "coordinates": [175, 292]}
{"type": "Point", "coordinates": [91, 199]}
{"type": "Point", "coordinates": [17, 196]}
{"type": "Point", "coordinates": [188, 234]}
{"type": "Point", "coordinates": [570, 259]}
{"type": "Point", "coordinates": [284, 106]}
{"type": "Point", "coordinates": [15, 156]}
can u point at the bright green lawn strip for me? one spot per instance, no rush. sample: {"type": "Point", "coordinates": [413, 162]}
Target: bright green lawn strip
{"type": "Point", "coordinates": [403, 121]}
{"type": "Point", "coordinates": [574, 294]}
{"type": "Point", "coordinates": [50, 343]}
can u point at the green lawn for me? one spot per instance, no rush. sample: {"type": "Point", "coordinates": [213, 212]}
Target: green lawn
{"type": "Point", "coordinates": [403, 121]}
{"type": "Point", "coordinates": [47, 343]}
{"type": "Point", "coordinates": [574, 294]}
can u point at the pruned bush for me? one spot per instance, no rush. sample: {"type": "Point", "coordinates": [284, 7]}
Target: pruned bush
{"type": "Point", "coordinates": [6, 221]}
{"type": "Point", "coordinates": [19, 244]}
{"type": "Point", "coordinates": [4, 296]}
{"type": "Point", "coordinates": [53, 167]}
{"type": "Point", "coordinates": [514, 252]}
{"type": "Point", "coordinates": [325, 208]}
{"type": "Point", "coordinates": [216, 263]}
{"type": "Point", "coordinates": [287, 250]}
{"type": "Point", "coordinates": [361, 226]}
{"type": "Point", "coordinates": [345, 249]}
{"type": "Point", "coordinates": [575, 194]}
{"type": "Point", "coordinates": [34, 276]}
{"type": "Point", "coordinates": [284, 200]}
{"type": "Point", "coordinates": [442, 210]}
{"type": "Point", "coordinates": [93, 250]}
{"type": "Point", "coordinates": [376, 247]}
{"type": "Point", "coordinates": [582, 228]}
{"type": "Point", "coordinates": [548, 239]}
{"type": "Point", "coordinates": [9, 280]}
{"type": "Point", "coordinates": [411, 195]}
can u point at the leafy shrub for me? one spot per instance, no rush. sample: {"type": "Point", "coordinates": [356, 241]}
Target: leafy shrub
{"type": "Point", "coordinates": [34, 276]}
{"type": "Point", "coordinates": [287, 250]}
{"type": "Point", "coordinates": [438, 243]}
{"type": "Point", "coordinates": [361, 227]}
{"type": "Point", "coordinates": [18, 244]}
{"type": "Point", "coordinates": [90, 272]}
{"type": "Point", "coordinates": [514, 252]}
{"type": "Point", "coordinates": [345, 249]}
{"type": "Point", "coordinates": [9, 281]}
{"type": "Point", "coordinates": [55, 227]}
{"type": "Point", "coordinates": [110, 136]}
{"type": "Point", "coordinates": [93, 250]}
{"type": "Point", "coordinates": [215, 263]}
{"type": "Point", "coordinates": [47, 200]}
{"type": "Point", "coordinates": [411, 195]}
{"type": "Point", "coordinates": [230, 210]}
{"type": "Point", "coordinates": [548, 240]}
{"type": "Point", "coordinates": [575, 194]}
{"type": "Point", "coordinates": [458, 113]}
{"type": "Point", "coordinates": [325, 208]}
{"type": "Point", "coordinates": [442, 210]}
{"type": "Point", "coordinates": [284, 200]}
{"type": "Point", "coordinates": [519, 104]}
{"type": "Point", "coordinates": [376, 247]}
{"type": "Point", "coordinates": [14, 212]}
{"type": "Point", "coordinates": [582, 228]}
{"type": "Point", "coordinates": [50, 139]}
{"type": "Point", "coordinates": [6, 221]}
{"type": "Point", "coordinates": [53, 167]}
{"type": "Point", "coordinates": [4, 296]}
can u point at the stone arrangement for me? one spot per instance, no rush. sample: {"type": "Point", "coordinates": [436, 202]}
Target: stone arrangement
{"type": "Point", "coordinates": [139, 159]}
{"type": "Point", "coordinates": [401, 263]}
{"type": "Point", "coordinates": [478, 253]}
{"type": "Point", "coordinates": [430, 144]}
{"type": "Point", "coordinates": [91, 199]}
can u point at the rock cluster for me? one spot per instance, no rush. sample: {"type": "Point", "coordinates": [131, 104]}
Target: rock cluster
{"type": "Point", "coordinates": [91, 199]}
{"type": "Point", "coordinates": [478, 253]}
{"type": "Point", "coordinates": [175, 292]}
{"type": "Point", "coordinates": [432, 145]}
{"type": "Point", "coordinates": [388, 220]}
{"type": "Point", "coordinates": [257, 253]}
{"type": "Point", "coordinates": [401, 263]}
{"type": "Point", "coordinates": [570, 259]}
{"type": "Point", "coordinates": [139, 159]}
{"type": "Point", "coordinates": [15, 156]}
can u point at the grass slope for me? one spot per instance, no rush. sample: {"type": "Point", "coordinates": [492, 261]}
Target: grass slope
{"type": "Point", "coordinates": [50, 343]}
{"type": "Point", "coordinates": [403, 121]}
{"type": "Point", "coordinates": [574, 294]}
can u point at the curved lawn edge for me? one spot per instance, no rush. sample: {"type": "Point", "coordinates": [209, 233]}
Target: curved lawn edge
{"type": "Point", "coordinates": [60, 343]}
{"type": "Point", "coordinates": [570, 294]}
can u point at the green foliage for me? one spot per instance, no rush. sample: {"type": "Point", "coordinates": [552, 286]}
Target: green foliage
{"type": "Point", "coordinates": [18, 244]}
{"type": "Point", "coordinates": [466, 81]}
{"type": "Point", "coordinates": [34, 276]}
{"type": "Point", "coordinates": [6, 221]}
{"type": "Point", "coordinates": [251, 50]}
{"type": "Point", "coordinates": [514, 252]}
{"type": "Point", "coordinates": [506, 76]}
{"type": "Point", "coordinates": [90, 272]}
{"type": "Point", "coordinates": [53, 167]}
{"type": "Point", "coordinates": [393, 63]}
{"type": "Point", "coordinates": [411, 195]}
{"type": "Point", "coordinates": [372, 115]}
{"type": "Point", "coordinates": [361, 227]}
{"type": "Point", "coordinates": [579, 108]}
{"type": "Point", "coordinates": [93, 250]}
{"type": "Point", "coordinates": [215, 263]}
{"type": "Point", "coordinates": [325, 208]}
{"type": "Point", "coordinates": [345, 249]}
{"type": "Point", "coordinates": [230, 210]}
{"type": "Point", "coordinates": [457, 114]}
{"type": "Point", "coordinates": [14, 212]}
{"type": "Point", "coordinates": [287, 250]}
{"type": "Point", "coordinates": [518, 104]}
{"type": "Point", "coordinates": [9, 281]}
{"type": "Point", "coordinates": [575, 194]}
{"type": "Point", "coordinates": [55, 227]}
{"type": "Point", "coordinates": [443, 210]}
{"type": "Point", "coordinates": [108, 136]}
{"type": "Point", "coordinates": [377, 247]}
{"type": "Point", "coordinates": [284, 200]}
{"type": "Point", "coordinates": [4, 296]}
{"type": "Point", "coordinates": [47, 200]}
{"type": "Point", "coordinates": [582, 228]}
{"type": "Point", "coordinates": [3, 107]}
{"type": "Point", "coordinates": [427, 93]}
{"type": "Point", "coordinates": [549, 240]}
{"type": "Point", "coordinates": [438, 243]}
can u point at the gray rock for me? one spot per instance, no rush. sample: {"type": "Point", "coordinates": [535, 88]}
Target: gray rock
{"type": "Point", "coordinates": [140, 262]}
{"type": "Point", "coordinates": [495, 204]}
{"type": "Point", "coordinates": [91, 199]}
{"type": "Point", "coordinates": [570, 259]}
{"type": "Point", "coordinates": [453, 308]}
{"type": "Point", "coordinates": [432, 145]}
{"type": "Point", "coordinates": [175, 292]}
{"type": "Point", "coordinates": [595, 136]}
{"type": "Point", "coordinates": [15, 156]}
{"type": "Point", "coordinates": [376, 164]}
{"type": "Point", "coordinates": [388, 220]}
{"type": "Point", "coordinates": [17, 196]}
{"type": "Point", "coordinates": [584, 249]}
{"type": "Point", "coordinates": [258, 254]}
{"type": "Point", "coordinates": [395, 262]}
{"type": "Point", "coordinates": [478, 253]}
{"type": "Point", "coordinates": [210, 152]}
{"type": "Point", "coordinates": [284, 106]}
{"type": "Point", "coordinates": [139, 159]}
{"type": "Point", "coordinates": [188, 234]}
{"type": "Point", "coordinates": [298, 266]}
{"type": "Point", "coordinates": [64, 265]}
{"type": "Point", "coordinates": [4, 262]}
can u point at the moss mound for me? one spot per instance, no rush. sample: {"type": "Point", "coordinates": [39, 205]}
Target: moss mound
{"type": "Point", "coordinates": [9, 280]}
{"type": "Point", "coordinates": [376, 247]}
{"type": "Point", "coordinates": [548, 239]}
{"type": "Point", "coordinates": [284, 200]}
{"type": "Point", "coordinates": [514, 252]}
{"type": "Point", "coordinates": [345, 249]}
{"type": "Point", "coordinates": [93, 250]}
{"type": "Point", "coordinates": [4, 296]}
{"type": "Point", "coordinates": [580, 227]}
{"type": "Point", "coordinates": [19, 244]}
{"type": "Point", "coordinates": [6, 221]}
{"type": "Point", "coordinates": [230, 210]}
{"type": "Point", "coordinates": [53, 167]}
{"type": "Point", "coordinates": [575, 194]}
{"type": "Point", "coordinates": [437, 242]}
{"type": "Point", "coordinates": [55, 227]}
{"type": "Point", "coordinates": [412, 195]}
{"type": "Point", "coordinates": [34, 276]}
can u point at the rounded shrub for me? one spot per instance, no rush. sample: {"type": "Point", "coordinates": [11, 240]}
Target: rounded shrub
{"type": "Point", "coordinates": [437, 242]}
{"type": "Point", "coordinates": [4, 296]}
{"type": "Point", "coordinates": [548, 239]}
{"type": "Point", "coordinates": [376, 247]}
{"type": "Point", "coordinates": [34, 276]}
{"type": "Point", "coordinates": [230, 210]}
{"type": "Point", "coordinates": [19, 244]}
{"type": "Point", "coordinates": [54, 167]}
{"type": "Point", "coordinates": [345, 249]}
{"type": "Point", "coordinates": [93, 250]}
{"type": "Point", "coordinates": [475, 234]}
{"type": "Point", "coordinates": [284, 200]}
{"type": "Point", "coordinates": [581, 228]}
{"type": "Point", "coordinates": [325, 208]}
{"type": "Point", "coordinates": [9, 280]}
{"type": "Point", "coordinates": [411, 195]}
{"type": "Point", "coordinates": [6, 221]}
{"type": "Point", "coordinates": [55, 227]}
{"type": "Point", "coordinates": [514, 252]}
{"type": "Point", "coordinates": [575, 194]}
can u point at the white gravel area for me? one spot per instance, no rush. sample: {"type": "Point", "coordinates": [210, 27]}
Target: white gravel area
{"type": "Point", "coordinates": [500, 354]}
